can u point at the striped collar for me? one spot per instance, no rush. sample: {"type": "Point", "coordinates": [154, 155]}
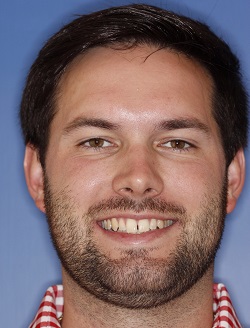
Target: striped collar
{"type": "Point", "coordinates": [51, 309]}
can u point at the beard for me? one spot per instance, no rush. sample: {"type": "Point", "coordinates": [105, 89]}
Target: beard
{"type": "Point", "coordinates": [135, 280]}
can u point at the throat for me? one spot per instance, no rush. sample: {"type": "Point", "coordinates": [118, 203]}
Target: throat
{"type": "Point", "coordinates": [193, 309]}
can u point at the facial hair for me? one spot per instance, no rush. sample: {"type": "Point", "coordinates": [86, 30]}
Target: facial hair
{"type": "Point", "coordinates": [135, 280]}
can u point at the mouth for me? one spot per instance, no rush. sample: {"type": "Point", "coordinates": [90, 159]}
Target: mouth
{"type": "Point", "coordinates": [131, 226]}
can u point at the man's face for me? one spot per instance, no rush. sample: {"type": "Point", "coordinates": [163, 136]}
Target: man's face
{"type": "Point", "coordinates": [135, 189]}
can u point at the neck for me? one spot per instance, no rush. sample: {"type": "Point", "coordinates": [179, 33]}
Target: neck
{"type": "Point", "coordinates": [193, 309]}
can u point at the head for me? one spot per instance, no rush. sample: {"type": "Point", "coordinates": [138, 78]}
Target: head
{"type": "Point", "coordinates": [138, 119]}
{"type": "Point", "coordinates": [127, 27]}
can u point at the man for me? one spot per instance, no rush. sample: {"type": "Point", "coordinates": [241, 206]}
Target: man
{"type": "Point", "coordinates": [135, 121]}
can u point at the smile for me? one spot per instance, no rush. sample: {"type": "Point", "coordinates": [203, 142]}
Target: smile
{"type": "Point", "coordinates": [134, 226]}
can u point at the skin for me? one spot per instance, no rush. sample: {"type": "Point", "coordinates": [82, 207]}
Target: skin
{"type": "Point", "coordinates": [135, 91]}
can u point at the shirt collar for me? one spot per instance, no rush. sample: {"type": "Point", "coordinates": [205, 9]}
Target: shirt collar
{"type": "Point", "coordinates": [51, 309]}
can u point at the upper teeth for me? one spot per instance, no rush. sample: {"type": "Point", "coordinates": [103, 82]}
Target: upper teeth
{"type": "Point", "coordinates": [135, 226]}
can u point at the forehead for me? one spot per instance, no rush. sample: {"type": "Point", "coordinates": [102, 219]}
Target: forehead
{"type": "Point", "coordinates": [139, 79]}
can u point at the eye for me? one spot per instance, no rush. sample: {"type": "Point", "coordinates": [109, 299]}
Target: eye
{"type": "Point", "coordinates": [96, 143]}
{"type": "Point", "coordinates": [177, 145]}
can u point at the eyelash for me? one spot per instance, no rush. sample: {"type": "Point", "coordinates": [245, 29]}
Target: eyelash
{"type": "Point", "coordinates": [186, 145]}
{"type": "Point", "coordinates": [97, 148]}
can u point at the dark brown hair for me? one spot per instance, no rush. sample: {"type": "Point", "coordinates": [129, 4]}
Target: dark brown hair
{"type": "Point", "coordinates": [130, 26]}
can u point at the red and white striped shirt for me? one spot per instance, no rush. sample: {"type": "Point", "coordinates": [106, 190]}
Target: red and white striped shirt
{"type": "Point", "coordinates": [51, 309]}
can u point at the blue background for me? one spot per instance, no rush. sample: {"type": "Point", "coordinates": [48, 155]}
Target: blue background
{"type": "Point", "coordinates": [28, 263]}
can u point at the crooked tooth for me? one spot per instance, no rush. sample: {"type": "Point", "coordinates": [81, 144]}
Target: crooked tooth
{"type": "Point", "coordinates": [160, 224]}
{"type": "Point", "coordinates": [143, 225]}
{"type": "Point", "coordinates": [122, 225]}
{"type": "Point", "coordinates": [131, 226]}
{"type": "Point", "coordinates": [153, 224]}
{"type": "Point", "coordinates": [114, 224]}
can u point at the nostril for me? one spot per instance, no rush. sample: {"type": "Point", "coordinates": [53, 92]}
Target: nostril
{"type": "Point", "coordinates": [128, 189]}
{"type": "Point", "coordinates": [131, 191]}
{"type": "Point", "coordinates": [148, 190]}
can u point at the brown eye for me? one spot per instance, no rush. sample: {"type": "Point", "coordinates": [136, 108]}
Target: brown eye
{"type": "Point", "coordinates": [178, 144]}
{"type": "Point", "coordinates": [96, 142]}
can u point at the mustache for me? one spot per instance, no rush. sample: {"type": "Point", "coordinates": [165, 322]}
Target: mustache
{"type": "Point", "coordinates": [127, 204]}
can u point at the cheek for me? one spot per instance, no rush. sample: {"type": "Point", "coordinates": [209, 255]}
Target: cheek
{"type": "Point", "coordinates": [86, 179]}
{"type": "Point", "coordinates": [187, 183]}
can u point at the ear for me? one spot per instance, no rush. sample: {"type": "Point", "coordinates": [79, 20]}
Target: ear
{"type": "Point", "coordinates": [34, 176]}
{"type": "Point", "coordinates": [236, 178]}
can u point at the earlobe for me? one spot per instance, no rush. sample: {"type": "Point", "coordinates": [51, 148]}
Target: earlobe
{"type": "Point", "coordinates": [34, 176]}
{"type": "Point", "coordinates": [236, 178]}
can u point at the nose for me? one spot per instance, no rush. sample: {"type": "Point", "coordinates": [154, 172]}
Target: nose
{"type": "Point", "coordinates": [138, 175]}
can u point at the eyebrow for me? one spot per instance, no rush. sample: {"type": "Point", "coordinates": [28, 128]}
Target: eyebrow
{"type": "Point", "coordinates": [80, 122]}
{"type": "Point", "coordinates": [169, 125]}
{"type": "Point", "coordinates": [183, 123]}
